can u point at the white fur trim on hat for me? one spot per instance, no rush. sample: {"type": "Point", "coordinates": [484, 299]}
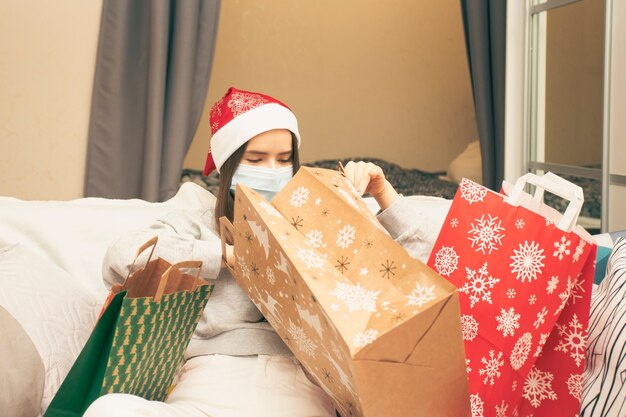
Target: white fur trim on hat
{"type": "Point", "coordinates": [249, 124]}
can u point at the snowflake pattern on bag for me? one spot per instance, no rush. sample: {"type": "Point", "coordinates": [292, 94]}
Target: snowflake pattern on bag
{"type": "Point", "coordinates": [524, 290]}
{"type": "Point", "coordinates": [315, 271]}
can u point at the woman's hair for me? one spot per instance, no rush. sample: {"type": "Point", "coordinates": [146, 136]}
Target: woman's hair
{"type": "Point", "coordinates": [225, 204]}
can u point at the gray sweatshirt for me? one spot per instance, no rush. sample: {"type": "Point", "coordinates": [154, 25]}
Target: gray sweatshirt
{"type": "Point", "coordinates": [231, 323]}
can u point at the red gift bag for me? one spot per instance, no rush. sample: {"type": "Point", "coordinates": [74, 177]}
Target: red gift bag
{"type": "Point", "coordinates": [524, 274]}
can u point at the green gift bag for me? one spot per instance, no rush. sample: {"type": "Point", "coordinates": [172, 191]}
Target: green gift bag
{"type": "Point", "coordinates": [140, 338]}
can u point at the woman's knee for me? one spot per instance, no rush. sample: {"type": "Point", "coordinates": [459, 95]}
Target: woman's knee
{"type": "Point", "coordinates": [119, 405]}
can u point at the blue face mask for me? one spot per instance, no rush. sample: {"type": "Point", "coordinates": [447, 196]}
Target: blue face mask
{"type": "Point", "coordinates": [265, 181]}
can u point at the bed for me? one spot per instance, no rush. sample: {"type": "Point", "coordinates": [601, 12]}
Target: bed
{"type": "Point", "coordinates": [51, 292]}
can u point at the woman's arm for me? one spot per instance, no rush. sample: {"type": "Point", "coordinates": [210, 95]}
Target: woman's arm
{"type": "Point", "coordinates": [413, 222]}
{"type": "Point", "coordinates": [370, 178]}
{"type": "Point", "coordinates": [182, 236]}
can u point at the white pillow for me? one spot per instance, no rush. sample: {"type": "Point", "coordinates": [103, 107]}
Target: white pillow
{"type": "Point", "coordinates": [56, 312]}
{"type": "Point", "coordinates": [604, 384]}
{"type": "Point", "coordinates": [74, 235]}
{"type": "Point", "coordinates": [468, 164]}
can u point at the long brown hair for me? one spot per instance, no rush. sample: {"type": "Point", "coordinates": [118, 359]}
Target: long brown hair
{"type": "Point", "coordinates": [225, 204]}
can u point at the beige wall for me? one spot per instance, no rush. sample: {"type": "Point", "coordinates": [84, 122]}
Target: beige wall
{"type": "Point", "coordinates": [574, 83]}
{"type": "Point", "coordinates": [364, 77]}
{"type": "Point", "coordinates": [47, 61]}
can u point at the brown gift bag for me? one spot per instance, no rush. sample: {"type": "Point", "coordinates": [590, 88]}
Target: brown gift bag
{"type": "Point", "coordinates": [379, 331]}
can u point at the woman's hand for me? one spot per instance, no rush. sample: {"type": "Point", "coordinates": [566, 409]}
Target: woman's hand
{"type": "Point", "coordinates": [369, 177]}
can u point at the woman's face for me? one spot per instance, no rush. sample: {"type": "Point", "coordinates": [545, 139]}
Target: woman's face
{"type": "Point", "coordinates": [271, 149]}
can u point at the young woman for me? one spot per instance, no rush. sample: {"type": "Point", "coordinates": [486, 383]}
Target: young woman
{"type": "Point", "coordinates": [236, 364]}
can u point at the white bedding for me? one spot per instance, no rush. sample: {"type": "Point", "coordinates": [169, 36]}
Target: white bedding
{"type": "Point", "coordinates": [50, 266]}
{"type": "Point", "coordinates": [74, 235]}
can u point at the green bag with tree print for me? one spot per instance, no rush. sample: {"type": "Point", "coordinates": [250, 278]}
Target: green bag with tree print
{"type": "Point", "coordinates": [140, 338]}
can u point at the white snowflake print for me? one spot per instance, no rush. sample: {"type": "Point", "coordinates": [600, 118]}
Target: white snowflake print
{"type": "Point", "coordinates": [579, 250]}
{"type": "Point", "coordinates": [355, 297]}
{"type": "Point", "coordinates": [476, 405]}
{"type": "Point", "coordinates": [501, 409]}
{"type": "Point", "coordinates": [543, 338]}
{"type": "Point", "coordinates": [514, 386]}
{"type": "Point", "coordinates": [527, 261]}
{"type": "Point", "coordinates": [532, 299]}
{"type": "Point", "coordinates": [270, 209]}
{"type": "Point", "coordinates": [486, 234]}
{"type": "Point", "coordinates": [575, 385]}
{"type": "Point", "coordinates": [269, 273]}
{"type": "Point", "coordinates": [303, 342]}
{"type": "Point", "coordinates": [314, 238]}
{"type": "Point", "coordinates": [564, 296]}
{"type": "Point", "coordinates": [507, 322]}
{"type": "Point", "coordinates": [519, 224]}
{"type": "Point", "coordinates": [346, 236]}
{"type": "Point", "coordinates": [510, 293]}
{"type": "Point", "coordinates": [245, 270]}
{"type": "Point", "coordinates": [318, 201]}
{"type": "Point", "coordinates": [554, 281]}
{"type": "Point", "coordinates": [467, 365]}
{"type": "Point", "coordinates": [492, 367]}
{"type": "Point", "coordinates": [446, 261]}
{"type": "Point", "coordinates": [454, 222]}
{"type": "Point", "coordinates": [561, 248]}
{"type": "Point", "coordinates": [573, 340]}
{"type": "Point", "coordinates": [310, 258]}
{"type": "Point", "coordinates": [538, 387]}
{"type": "Point", "coordinates": [521, 350]}
{"type": "Point", "coordinates": [541, 318]}
{"type": "Point", "coordinates": [363, 271]}
{"type": "Point", "coordinates": [299, 197]}
{"type": "Point", "coordinates": [348, 198]}
{"type": "Point", "coordinates": [478, 285]}
{"type": "Point", "coordinates": [243, 102]}
{"type": "Point", "coordinates": [471, 191]}
{"type": "Point", "coordinates": [469, 326]}
{"type": "Point", "coordinates": [421, 295]}
{"type": "Point", "coordinates": [576, 291]}
{"type": "Point", "coordinates": [216, 110]}
{"type": "Point", "coordinates": [365, 338]}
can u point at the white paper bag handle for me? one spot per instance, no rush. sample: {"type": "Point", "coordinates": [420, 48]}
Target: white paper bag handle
{"type": "Point", "coordinates": [556, 185]}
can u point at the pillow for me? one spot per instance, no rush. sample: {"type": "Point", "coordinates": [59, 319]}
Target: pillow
{"type": "Point", "coordinates": [56, 312]}
{"type": "Point", "coordinates": [21, 369]}
{"type": "Point", "coordinates": [74, 235]}
{"type": "Point", "coordinates": [467, 165]}
{"type": "Point", "coordinates": [604, 382]}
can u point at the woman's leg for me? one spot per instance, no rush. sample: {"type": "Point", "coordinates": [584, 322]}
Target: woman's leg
{"type": "Point", "coordinates": [259, 386]}
{"type": "Point", "coordinates": [126, 405]}
{"type": "Point", "coordinates": [284, 390]}
{"type": "Point", "coordinates": [228, 386]}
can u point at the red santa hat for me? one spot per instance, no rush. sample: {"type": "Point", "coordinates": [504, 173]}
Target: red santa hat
{"type": "Point", "coordinates": [238, 117]}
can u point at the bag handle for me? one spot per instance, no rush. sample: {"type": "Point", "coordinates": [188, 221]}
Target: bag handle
{"type": "Point", "coordinates": [556, 185]}
{"type": "Point", "coordinates": [150, 243]}
{"type": "Point", "coordinates": [166, 275]}
{"type": "Point", "coordinates": [226, 226]}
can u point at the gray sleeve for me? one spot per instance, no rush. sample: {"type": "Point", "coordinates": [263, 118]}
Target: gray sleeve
{"type": "Point", "coordinates": [414, 222]}
{"type": "Point", "coordinates": [183, 236]}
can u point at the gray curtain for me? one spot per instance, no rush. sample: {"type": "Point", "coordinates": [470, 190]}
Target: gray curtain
{"type": "Point", "coordinates": [484, 22]}
{"type": "Point", "coordinates": [152, 74]}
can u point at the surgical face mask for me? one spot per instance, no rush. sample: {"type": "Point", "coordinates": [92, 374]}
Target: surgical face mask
{"type": "Point", "coordinates": [265, 181]}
